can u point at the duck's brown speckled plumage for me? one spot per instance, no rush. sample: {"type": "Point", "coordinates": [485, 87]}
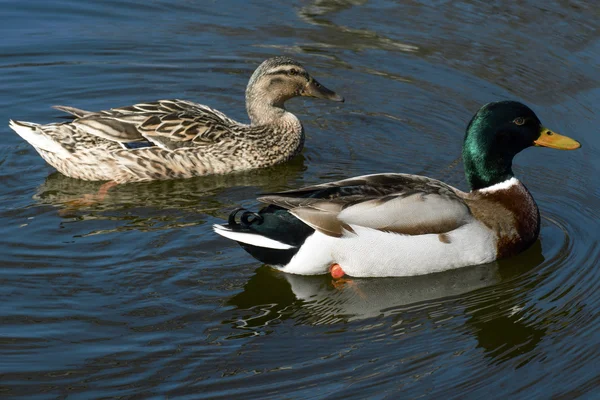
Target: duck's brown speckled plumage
{"type": "Point", "coordinates": [183, 139]}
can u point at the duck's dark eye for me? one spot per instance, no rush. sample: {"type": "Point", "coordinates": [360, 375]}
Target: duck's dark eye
{"type": "Point", "coordinates": [293, 71]}
{"type": "Point", "coordinates": [519, 121]}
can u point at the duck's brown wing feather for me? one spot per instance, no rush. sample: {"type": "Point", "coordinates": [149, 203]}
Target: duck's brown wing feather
{"type": "Point", "coordinates": [170, 124]}
{"type": "Point", "coordinates": [401, 203]}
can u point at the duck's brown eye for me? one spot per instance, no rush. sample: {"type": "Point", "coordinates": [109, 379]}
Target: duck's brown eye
{"type": "Point", "coordinates": [293, 71]}
{"type": "Point", "coordinates": [519, 121]}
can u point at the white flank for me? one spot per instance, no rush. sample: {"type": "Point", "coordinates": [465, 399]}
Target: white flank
{"type": "Point", "coordinates": [373, 253]}
{"type": "Point", "coordinates": [38, 140]}
{"type": "Point", "coordinates": [500, 186]}
{"type": "Point", "coordinates": [314, 256]}
{"type": "Point", "coordinates": [250, 238]}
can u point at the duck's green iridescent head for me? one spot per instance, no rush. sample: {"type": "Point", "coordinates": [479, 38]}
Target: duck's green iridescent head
{"type": "Point", "coordinates": [496, 134]}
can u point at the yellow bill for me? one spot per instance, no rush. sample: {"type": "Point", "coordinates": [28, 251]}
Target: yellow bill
{"type": "Point", "coordinates": [553, 140]}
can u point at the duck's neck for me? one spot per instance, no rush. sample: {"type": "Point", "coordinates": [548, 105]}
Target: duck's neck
{"type": "Point", "coordinates": [483, 171]}
{"type": "Point", "coordinates": [262, 113]}
{"type": "Point", "coordinates": [266, 108]}
{"type": "Point", "coordinates": [486, 164]}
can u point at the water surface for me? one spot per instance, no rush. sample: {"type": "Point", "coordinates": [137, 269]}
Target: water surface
{"type": "Point", "coordinates": [137, 296]}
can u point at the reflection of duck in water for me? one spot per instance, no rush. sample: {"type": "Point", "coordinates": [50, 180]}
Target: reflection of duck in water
{"type": "Point", "coordinates": [503, 335]}
{"type": "Point", "coordinates": [367, 298]}
{"type": "Point", "coordinates": [323, 301]}
{"type": "Point", "coordinates": [404, 225]}
{"type": "Point", "coordinates": [59, 190]}
{"type": "Point", "coordinates": [495, 317]}
{"type": "Point", "coordinates": [487, 297]}
{"type": "Point", "coordinates": [327, 300]}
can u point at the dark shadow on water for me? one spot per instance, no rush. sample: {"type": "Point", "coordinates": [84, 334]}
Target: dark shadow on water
{"type": "Point", "coordinates": [496, 320]}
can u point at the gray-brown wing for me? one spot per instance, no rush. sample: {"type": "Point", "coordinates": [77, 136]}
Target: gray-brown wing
{"type": "Point", "coordinates": [123, 129]}
{"type": "Point", "coordinates": [360, 187]}
{"type": "Point", "coordinates": [170, 124]}
{"type": "Point", "coordinates": [175, 131]}
{"type": "Point", "coordinates": [402, 203]}
{"type": "Point", "coordinates": [150, 108]}
{"type": "Point", "coordinates": [155, 107]}
{"type": "Point", "coordinates": [164, 107]}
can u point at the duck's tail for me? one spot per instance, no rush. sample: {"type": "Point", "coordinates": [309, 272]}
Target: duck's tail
{"type": "Point", "coordinates": [272, 236]}
{"type": "Point", "coordinates": [35, 136]}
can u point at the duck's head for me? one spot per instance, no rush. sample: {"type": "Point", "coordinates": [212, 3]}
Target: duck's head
{"type": "Point", "coordinates": [496, 134]}
{"type": "Point", "coordinates": [279, 79]}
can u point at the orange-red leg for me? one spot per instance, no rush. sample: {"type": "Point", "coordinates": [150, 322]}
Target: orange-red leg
{"type": "Point", "coordinates": [337, 273]}
{"type": "Point", "coordinates": [89, 199]}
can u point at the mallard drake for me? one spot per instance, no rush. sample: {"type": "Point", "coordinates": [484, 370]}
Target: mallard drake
{"type": "Point", "coordinates": [170, 139]}
{"type": "Point", "coordinates": [400, 224]}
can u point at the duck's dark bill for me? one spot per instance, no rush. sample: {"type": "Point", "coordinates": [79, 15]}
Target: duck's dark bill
{"type": "Point", "coordinates": [315, 89]}
{"type": "Point", "coordinates": [553, 140]}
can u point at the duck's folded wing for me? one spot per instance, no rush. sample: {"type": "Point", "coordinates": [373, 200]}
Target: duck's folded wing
{"type": "Point", "coordinates": [169, 131]}
{"type": "Point", "coordinates": [122, 129]}
{"type": "Point", "coordinates": [174, 131]}
{"type": "Point", "coordinates": [400, 203]}
{"type": "Point", "coordinates": [172, 106]}
{"type": "Point", "coordinates": [109, 123]}
{"type": "Point", "coordinates": [164, 107]}
{"type": "Point", "coordinates": [369, 185]}
{"type": "Point", "coordinates": [170, 124]}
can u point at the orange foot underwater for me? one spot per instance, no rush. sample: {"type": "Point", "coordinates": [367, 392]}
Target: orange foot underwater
{"type": "Point", "coordinates": [90, 199]}
{"type": "Point", "coordinates": [339, 282]}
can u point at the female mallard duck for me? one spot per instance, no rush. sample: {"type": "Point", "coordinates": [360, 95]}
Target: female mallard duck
{"type": "Point", "coordinates": [171, 139]}
{"type": "Point", "coordinates": [400, 224]}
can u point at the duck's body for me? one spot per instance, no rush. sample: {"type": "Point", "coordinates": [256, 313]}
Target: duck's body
{"type": "Point", "coordinates": [397, 224]}
{"type": "Point", "coordinates": [172, 139]}
{"type": "Point", "coordinates": [400, 224]}
{"type": "Point", "coordinates": [149, 142]}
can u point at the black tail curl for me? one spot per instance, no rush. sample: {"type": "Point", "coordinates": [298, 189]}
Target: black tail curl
{"type": "Point", "coordinates": [245, 218]}
{"type": "Point", "coordinates": [274, 223]}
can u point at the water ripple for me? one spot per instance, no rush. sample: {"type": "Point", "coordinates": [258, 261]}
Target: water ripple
{"type": "Point", "coordinates": [135, 296]}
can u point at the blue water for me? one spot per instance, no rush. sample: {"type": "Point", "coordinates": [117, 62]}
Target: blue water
{"type": "Point", "coordinates": [135, 296]}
